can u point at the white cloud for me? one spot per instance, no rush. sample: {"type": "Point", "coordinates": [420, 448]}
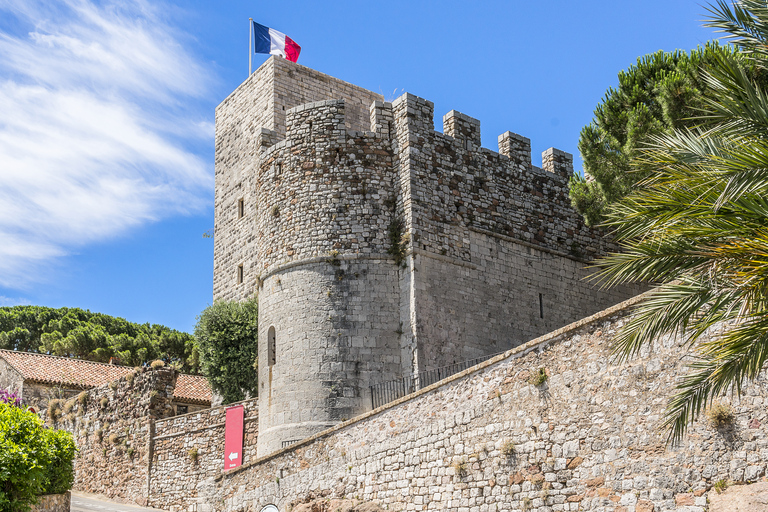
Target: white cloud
{"type": "Point", "coordinates": [97, 118]}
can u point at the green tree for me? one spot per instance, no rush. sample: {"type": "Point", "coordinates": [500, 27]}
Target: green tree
{"type": "Point", "coordinates": [74, 332]}
{"type": "Point", "coordinates": [227, 340]}
{"type": "Point", "coordinates": [662, 92]}
{"type": "Point", "coordinates": [698, 226]}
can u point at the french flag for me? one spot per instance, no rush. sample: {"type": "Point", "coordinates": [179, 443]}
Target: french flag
{"type": "Point", "coordinates": [269, 40]}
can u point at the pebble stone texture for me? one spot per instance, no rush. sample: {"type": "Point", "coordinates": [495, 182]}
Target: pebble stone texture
{"type": "Point", "coordinates": [589, 438]}
{"type": "Point", "coordinates": [379, 247]}
{"type": "Point", "coordinates": [112, 426]}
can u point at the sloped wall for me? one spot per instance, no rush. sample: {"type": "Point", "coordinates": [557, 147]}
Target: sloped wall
{"type": "Point", "coordinates": [589, 438]}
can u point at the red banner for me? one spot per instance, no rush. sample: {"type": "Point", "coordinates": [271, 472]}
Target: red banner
{"type": "Point", "coordinates": [233, 437]}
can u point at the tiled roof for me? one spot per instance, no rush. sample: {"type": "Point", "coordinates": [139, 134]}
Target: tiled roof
{"type": "Point", "coordinates": [63, 370]}
{"type": "Point", "coordinates": [77, 373]}
{"type": "Point", "coordinates": [192, 388]}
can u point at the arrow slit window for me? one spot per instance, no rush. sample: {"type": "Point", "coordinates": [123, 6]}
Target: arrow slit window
{"type": "Point", "coordinates": [271, 346]}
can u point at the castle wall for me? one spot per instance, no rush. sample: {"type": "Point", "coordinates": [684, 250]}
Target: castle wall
{"type": "Point", "coordinates": [329, 289]}
{"type": "Point", "coordinates": [246, 116]}
{"type": "Point", "coordinates": [588, 438]}
{"type": "Point", "coordinates": [505, 295]}
{"type": "Point", "coordinates": [500, 253]}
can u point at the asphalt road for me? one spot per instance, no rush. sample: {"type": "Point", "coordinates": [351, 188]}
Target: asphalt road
{"type": "Point", "coordinates": [92, 503]}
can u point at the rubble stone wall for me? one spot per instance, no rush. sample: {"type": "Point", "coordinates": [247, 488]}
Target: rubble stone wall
{"type": "Point", "coordinates": [260, 105]}
{"type": "Point", "coordinates": [588, 437]}
{"type": "Point", "coordinates": [188, 449]}
{"type": "Point", "coordinates": [112, 426]}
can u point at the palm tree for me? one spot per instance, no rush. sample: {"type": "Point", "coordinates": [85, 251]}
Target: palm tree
{"type": "Point", "coordinates": [698, 227]}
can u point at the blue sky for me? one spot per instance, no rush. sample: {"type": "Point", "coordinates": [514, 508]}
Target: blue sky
{"type": "Point", "coordinates": [107, 115]}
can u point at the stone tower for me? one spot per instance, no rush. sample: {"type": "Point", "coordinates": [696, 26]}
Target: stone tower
{"type": "Point", "coordinates": [379, 247]}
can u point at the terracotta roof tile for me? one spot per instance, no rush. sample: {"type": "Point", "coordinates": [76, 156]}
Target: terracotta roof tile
{"type": "Point", "coordinates": [63, 370]}
{"type": "Point", "coordinates": [87, 374]}
{"type": "Point", "coordinates": [192, 388]}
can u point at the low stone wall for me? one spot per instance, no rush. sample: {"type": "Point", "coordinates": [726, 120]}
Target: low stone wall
{"type": "Point", "coordinates": [53, 503]}
{"type": "Point", "coordinates": [188, 449]}
{"type": "Point", "coordinates": [590, 437]}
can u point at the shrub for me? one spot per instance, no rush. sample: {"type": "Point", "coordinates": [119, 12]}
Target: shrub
{"type": "Point", "coordinates": [104, 402]}
{"type": "Point", "coordinates": [82, 398]}
{"type": "Point", "coordinates": [720, 414]}
{"type": "Point", "coordinates": [113, 438]}
{"type": "Point", "coordinates": [539, 378]}
{"type": "Point", "coordinates": [508, 450]}
{"type": "Point", "coordinates": [54, 409]}
{"type": "Point", "coordinates": [460, 468]}
{"type": "Point", "coordinates": [113, 385]}
{"type": "Point", "coordinates": [157, 364]}
{"type": "Point", "coordinates": [68, 406]}
{"type": "Point", "coordinates": [721, 485]}
{"type": "Point", "coordinates": [129, 378]}
{"type": "Point", "coordinates": [193, 454]}
{"type": "Point", "coordinates": [99, 434]}
{"type": "Point", "coordinates": [35, 460]}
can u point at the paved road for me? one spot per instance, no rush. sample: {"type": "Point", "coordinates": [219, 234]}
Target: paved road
{"type": "Point", "coordinates": [82, 502]}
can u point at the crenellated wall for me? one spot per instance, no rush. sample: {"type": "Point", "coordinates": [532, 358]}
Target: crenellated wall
{"type": "Point", "coordinates": [381, 253]}
{"type": "Point", "coordinates": [258, 107]}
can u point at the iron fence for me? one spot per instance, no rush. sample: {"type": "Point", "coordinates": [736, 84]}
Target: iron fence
{"type": "Point", "coordinates": [386, 392]}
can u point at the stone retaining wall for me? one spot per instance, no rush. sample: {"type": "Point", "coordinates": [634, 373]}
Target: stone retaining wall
{"type": "Point", "coordinates": [53, 503]}
{"type": "Point", "coordinates": [189, 449]}
{"type": "Point", "coordinates": [587, 438]}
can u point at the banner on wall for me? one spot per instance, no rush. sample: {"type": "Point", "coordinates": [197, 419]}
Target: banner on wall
{"type": "Point", "coordinates": [233, 437]}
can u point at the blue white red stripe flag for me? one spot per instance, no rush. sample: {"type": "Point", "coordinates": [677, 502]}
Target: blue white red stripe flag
{"type": "Point", "coordinates": [269, 40]}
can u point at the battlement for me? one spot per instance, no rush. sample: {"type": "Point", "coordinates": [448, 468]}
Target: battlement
{"type": "Point", "coordinates": [379, 246]}
{"type": "Point", "coordinates": [323, 120]}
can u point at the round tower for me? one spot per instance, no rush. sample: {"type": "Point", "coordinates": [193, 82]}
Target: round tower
{"type": "Point", "coordinates": [329, 292]}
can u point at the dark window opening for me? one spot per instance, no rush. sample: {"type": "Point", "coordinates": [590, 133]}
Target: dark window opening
{"type": "Point", "coordinates": [271, 347]}
{"type": "Point", "coordinates": [240, 208]}
{"type": "Point", "coordinates": [182, 409]}
{"type": "Point", "coordinates": [310, 128]}
{"type": "Point", "coordinates": [278, 168]}
{"type": "Point", "coordinates": [541, 306]}
{"type": "Point", "coordinates": [239, 274]}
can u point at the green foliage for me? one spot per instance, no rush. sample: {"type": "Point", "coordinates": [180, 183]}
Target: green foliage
{"type": "Point", "coordinates": [698, 226]}
{"type": "Point", "coordinates": [539, 377]}
{"type": "Point", "coordinates": [74, 332]}
{"type": "Point", "coordinates": [34, 460]}
{"type": "Point", "coordinates": [227, 338]}
{"type": "Point", "coordinates": [720, 414]}
{"type": "Point", "coordinates": [662, 92]}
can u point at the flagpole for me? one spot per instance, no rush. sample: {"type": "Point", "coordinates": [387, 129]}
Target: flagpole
{"type": "Point", "coordinates": [250, 46]}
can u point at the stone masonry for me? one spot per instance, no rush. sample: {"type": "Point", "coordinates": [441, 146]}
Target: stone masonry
{"type": "Point", "coordinates": [589, 437]}
{"type": "Point", "coordinates": [379, 247]}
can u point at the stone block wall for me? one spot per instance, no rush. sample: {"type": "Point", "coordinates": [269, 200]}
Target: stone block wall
{"type": "Point", "coordinates": [587, 438]}
{"type": "Point", "coordinates": [189, 449]}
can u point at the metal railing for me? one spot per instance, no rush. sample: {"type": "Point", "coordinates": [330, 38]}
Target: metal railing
{"type": "Point", "coordinates": [386, 392]}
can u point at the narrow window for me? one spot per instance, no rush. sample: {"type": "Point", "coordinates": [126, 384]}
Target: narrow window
{"type": "Point", "coordinates": [466, 144]}
{"type": "Point", "coordinates": [310, 128]}
{"type": "Point", "coordinates": [271, 346]}
{"type": "Point", "coordinates": [239, 274]}
{"type": "Point", "coordinates": [240, 208]}
{"type": "Point", "coordinates": [278, 168]}
{"type": "Point", "coordinates": [541, 306]}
